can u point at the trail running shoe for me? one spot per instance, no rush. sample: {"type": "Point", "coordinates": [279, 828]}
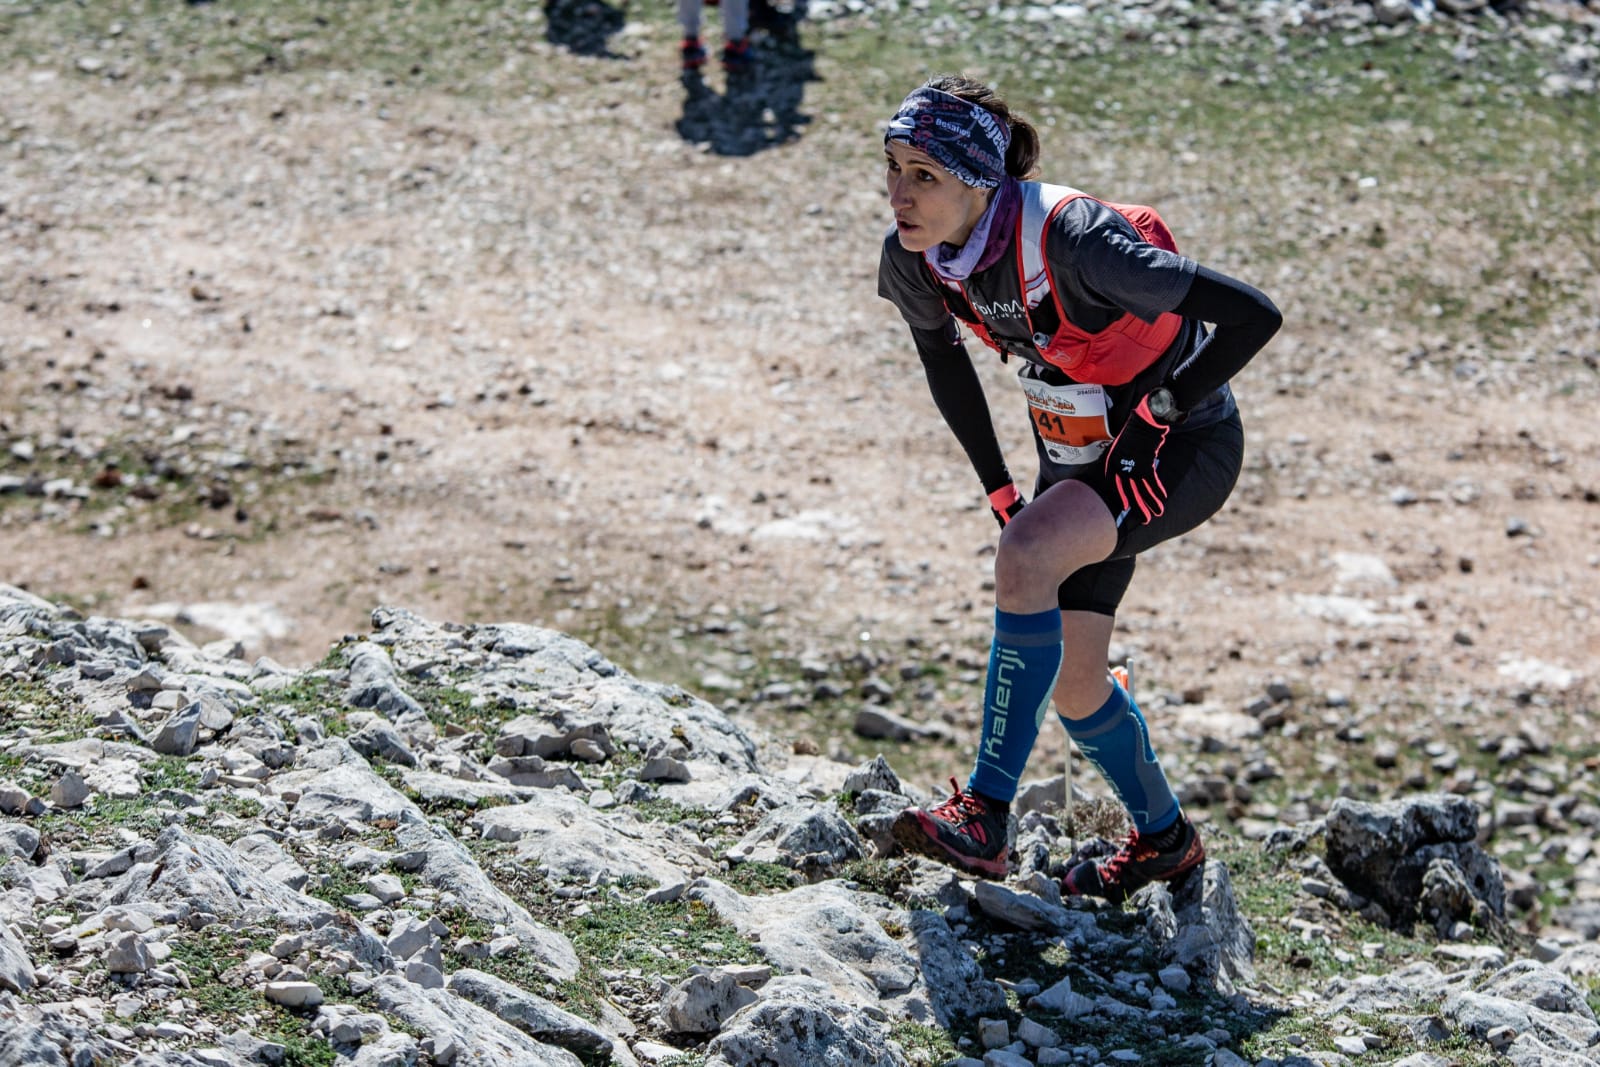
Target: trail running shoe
{"type": "Point", "coordinates": [1135, 865]}
{"type": "Point", "coordinates": [962, 831]}
{"type": "Point", "coordinates": [693, 52]}
{"type": "Point", "coordinates": [737, 56]}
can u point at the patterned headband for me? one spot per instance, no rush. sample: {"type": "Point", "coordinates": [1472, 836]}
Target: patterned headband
{"type": "Point", "coordinates": [963, 138]}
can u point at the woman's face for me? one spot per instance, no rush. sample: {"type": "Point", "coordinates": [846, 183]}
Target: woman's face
{"type": "Point", "coordinates": [930, 204]}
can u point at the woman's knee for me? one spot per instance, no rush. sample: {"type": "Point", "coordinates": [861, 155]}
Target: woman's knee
{"type": "Point", "coordinates": [1053, 537]}
{"type": "Point", "coordinates": [1026, 555]}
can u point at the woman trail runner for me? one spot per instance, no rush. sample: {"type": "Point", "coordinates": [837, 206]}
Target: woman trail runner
{"type": "Point", "coordinates": [1137, 434]}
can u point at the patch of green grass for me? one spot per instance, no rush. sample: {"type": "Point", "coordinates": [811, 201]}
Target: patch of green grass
{"type": "Point", "coordinates": [333, 883]}
{"type": "Point", "coordinates": [582, 995]}
{"type": "Point", "coordinates": [664, 938]}
{"type": "Point", "coordinates": [446, 704]}
{"type": "Point", "coordinates": [171, 772]}
{"type": "Point", "coordinates": [887, 877]}
{"type": "Point", "coordinates": [1269, 894]}
{"type": "Point", "coordinates": [96, 822]}
{"type": "Point", "coordinates": [207, 956]}
{"type": "Point", "coordinates": [315, 695]}
{"type": "Point", "coordinates": [659, 809]}
{"type": "Point", "coordinates": [31, 702]}
{"type": "Point", "coordinates": [758, 877]}
{"type": "Point", "coordinates": [924, 1045]}
{"type": "Point", "coordinates": [454, 811]}
{"type": "Point", "coordinates": [609, 932]}
{"type": "Point", "coordinates": [212, 957]}
{"type": "Point", "coordinates": [237, 805]}
{"type": "Point", "coordinates": [301, 1046]}
{"type": "Point", "coordinates": [1291, 1035]}
{"type": "Point", "coordinates": [655, 808]}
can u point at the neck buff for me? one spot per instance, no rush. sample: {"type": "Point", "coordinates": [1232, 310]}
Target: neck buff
{"type": "Point", "coordinates": [987, 242]}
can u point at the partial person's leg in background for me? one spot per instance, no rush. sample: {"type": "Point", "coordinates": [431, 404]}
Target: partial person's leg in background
{"type": "Point", "coordinates": [736, 28]}
{"type": "Point", "coordinates": [693, 53]}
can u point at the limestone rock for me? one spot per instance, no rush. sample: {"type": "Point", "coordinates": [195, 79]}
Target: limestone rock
{"type": "Point", "coordinates": [456, 1023]}
{"type": "Point", "coordinates": [797, 1023]}
{"type": "Point", "coordinates": [533, 1015]}
{"type": "Point", "coordinates": [16, 969]}
{"type": "Point", "coordinates": [1196, 924]}
{"type": "Point", "coordinates": [1383, 851]}
{"type": "Point", "coordinates": [810, 837]}
{"type": "Point", "coordinates": [701, 1003]}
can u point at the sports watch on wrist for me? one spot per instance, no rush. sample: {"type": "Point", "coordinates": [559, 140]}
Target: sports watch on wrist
{"type": "Point", "coordinates": [1162, 407]}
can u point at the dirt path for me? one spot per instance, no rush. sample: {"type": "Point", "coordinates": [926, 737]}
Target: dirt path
{"type": "Point", "coordinates": [570, 368]}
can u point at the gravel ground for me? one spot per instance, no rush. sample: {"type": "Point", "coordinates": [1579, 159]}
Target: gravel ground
{"type": "Point", "coordinates": [607, 356]}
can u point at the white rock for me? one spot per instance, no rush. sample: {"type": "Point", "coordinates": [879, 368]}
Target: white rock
{"type": "Point", "coordinates": [69, 791]}
{"type": "Point", "coordinates": [126, 954]}
{"type": "Point", "coordinates": [386, 887]}
{"type": "Point", "coordinates": [1060, 999]}
{"type": "Point", "coordinates": [410, 935]}
{"type": "Point", "coordinates": [424, 974]}
{"type": "Point", "coordinates": [13, 798]}
{"type": "Point", "coordinates": [651, 1052]}
{"type": "Point", "coordinates": [994, 1033]}
{"type": "Point", "coordinates": [1037, 1035]}
{"type": "Point", "coordinates": [288, 945]}
{"type": "Point", "coordinates": [127, 919]}
{"type": "Point", "coordinates": [1174, 978]}
{"type": "Point", "coordinates": [294, 994]}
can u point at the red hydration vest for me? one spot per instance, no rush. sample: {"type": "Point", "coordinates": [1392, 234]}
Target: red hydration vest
{"type": "Point", "coordinates": [1114, 355]}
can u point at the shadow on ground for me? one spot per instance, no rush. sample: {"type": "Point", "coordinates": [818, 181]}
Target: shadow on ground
{"type": "Point", "coordinates": [759, 108]}
{"type": "Point", "coordinates": [584, 26]}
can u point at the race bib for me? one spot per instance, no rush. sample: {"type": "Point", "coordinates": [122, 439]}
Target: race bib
{"type": "Point", "coordinates": [1070, 420]}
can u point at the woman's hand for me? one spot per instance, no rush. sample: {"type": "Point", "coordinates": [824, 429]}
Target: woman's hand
{"type": "Point", "coordinates": [1005, 503]}
{"type": "Point", "coordinates": [1133, 468]}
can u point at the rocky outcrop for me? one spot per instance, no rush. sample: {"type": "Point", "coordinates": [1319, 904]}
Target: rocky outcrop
{"type": "Point", "coordinates": [489, 845]}
{"type": "Point", "coordinates": [1416, 858]}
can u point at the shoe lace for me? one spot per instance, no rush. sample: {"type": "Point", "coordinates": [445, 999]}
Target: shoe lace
{"type": "Point", "coordinates": [1133, 850]}
{"type": "Point", "coordinates": [961, 807]}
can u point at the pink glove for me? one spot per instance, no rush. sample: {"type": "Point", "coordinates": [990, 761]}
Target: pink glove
{"type": "Point", "coordinates": [1133, 468]}
{"type": "Point", "coordinates": [1004, 503]}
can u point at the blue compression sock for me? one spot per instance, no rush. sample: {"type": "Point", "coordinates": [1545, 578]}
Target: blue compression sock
{"type": "Point", "coordinates": [1024, 662]}
{"type": "Point", "coordinates": [1116, 740]}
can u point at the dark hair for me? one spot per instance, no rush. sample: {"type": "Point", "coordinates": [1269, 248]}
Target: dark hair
{"type": "Point", "coordinates": [1022, 158]}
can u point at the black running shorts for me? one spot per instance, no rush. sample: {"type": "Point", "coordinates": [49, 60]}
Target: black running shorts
{"type": "Point", "coordinates": [1199, 468]}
